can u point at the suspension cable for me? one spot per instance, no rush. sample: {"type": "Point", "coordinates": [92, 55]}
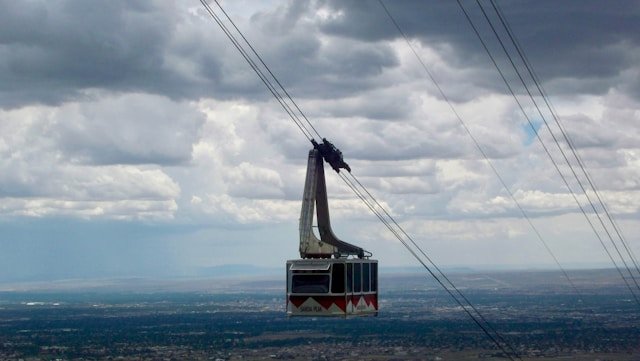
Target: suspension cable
{"type": "Point", "coordinates": [268, 69]}
{"type": "Point", "coordinates": [309, 137]}
{"type": "Point", "coordinates": [565, 134]}
{"type": "Point", "coordinates": [547, 151]}
{"type": "Point", "coordinates": [480, 149]}
{"type": "Point", "coordinates": [447, 284]}
{"type": "Point", "coordinates": [258, 71]}
{"type": "Point", "coordinates": [557, 143]}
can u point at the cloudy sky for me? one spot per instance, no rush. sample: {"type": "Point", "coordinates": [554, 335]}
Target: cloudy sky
{"type": "Point", "coordinates": [135, 141]}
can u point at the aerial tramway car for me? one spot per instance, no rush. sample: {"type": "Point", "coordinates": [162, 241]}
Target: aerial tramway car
{"type": "Point", "coordinates": [333, 277]}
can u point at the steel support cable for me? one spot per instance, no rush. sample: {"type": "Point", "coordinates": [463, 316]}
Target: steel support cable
{"type": "Point", "coordinates": [281, 99]}
{"type": "Point", "coordinates": [268, 69]}
{"type": "Point", "coordinates": [258, 72]}
{"type": "Point", "coordinates": [557, 143]}
{"type": "Point", "coordinates": [487, 326]}
{"type": "Point", "coordinates": [484, 45]}
{"type": "Point", "coordinates": [563, 131]}
{"type": "Point", "coordinates": [306, 133]}
{"type": "Point", "coordinates": [480, 149]}
{"type": "Point", "coordinates": [622, 258]}
{"type": "Point", "coordinates": [435, 266]}
{"type": "Point", "coordinates": [616, 227]}
{"type": "Point", "coordinates": [442, 274]}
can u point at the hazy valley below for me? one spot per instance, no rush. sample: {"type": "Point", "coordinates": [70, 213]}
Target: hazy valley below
{"type": "Point", "coordinates": [233, 318]}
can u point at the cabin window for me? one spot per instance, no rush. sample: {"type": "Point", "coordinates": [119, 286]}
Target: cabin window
{"type": "Point", "coordinates": [374, 277]}
{"type": "Point", "coordinates": [365, 277]}
{"type": "Point", "coordinates": [337, 278]}
{"type": "Point", "coordinates": [310, 283]}
{"type": "Point", "coordinates": [349, 277]}
{"type": "Point", "coordinates": [357, 277]}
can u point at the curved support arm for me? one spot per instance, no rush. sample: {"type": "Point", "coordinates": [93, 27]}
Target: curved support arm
{"type": "Point", "coordinates": [315, 196]}
{"type": "Point", "coordinates": [310, 245]}
{"type": "Point", "coordinates": [324, 222]}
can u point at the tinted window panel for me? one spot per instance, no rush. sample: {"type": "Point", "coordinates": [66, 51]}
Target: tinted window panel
{"type": "Point", "coordinates": [357, 274]}
{"type": "Point", "coordinates": [374, 277]}
{"type": "Point", "coordinates": [337, 278]}
{"type": "Point", "coordinates": [365, 277]}
{"type": "Point", "coordinates": [349, 277]}
{"type": "Point", "coordinates": [310, 283]}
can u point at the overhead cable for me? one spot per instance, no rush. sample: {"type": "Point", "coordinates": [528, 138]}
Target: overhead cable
{"type": "Point", "coordinates": [299, 122]}
{"type": "Point", "coordinates": [547, 151]}
{"type": "Point", "coordinates": [267, 82]}
{"type": "Point", "coordinates": [565, 134]}
{"type": "Point", "coordinates": [557, 143]}
{"type": "Point", "coordinates": [480, 149]}
{"type": "Point", "coordinates": [440, 278]}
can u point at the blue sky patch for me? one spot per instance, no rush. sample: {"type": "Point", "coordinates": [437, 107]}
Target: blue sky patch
{"type": "Point", "coordinates": [530, 134]}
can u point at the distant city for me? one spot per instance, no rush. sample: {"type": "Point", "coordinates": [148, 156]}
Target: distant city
{"type": "Point", "coordinates": [243, 318]}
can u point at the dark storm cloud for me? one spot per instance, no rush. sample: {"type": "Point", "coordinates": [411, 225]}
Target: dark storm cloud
{"type": "Point", "coordinates": [53, 52]}
{"type": "Point", "coordinates": [582, 45]}
{"type": "Point", "coordinates": [312, 67]}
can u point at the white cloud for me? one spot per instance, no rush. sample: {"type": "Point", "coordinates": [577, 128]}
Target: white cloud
{"type": "Point", "coordinates": [145, 210]}
{"type": "Point", "coordinates": [126, 129]}
{"type": "Point", "coordinates": [177, 129]}
{"type": "Point", "coordinates": [250, 181]}
{"type": "Point", "coordinates": [476, 231]}
{"type": "Point", "coordinates": [38, 179]}
{"type": "Point", "coordinates": [249, 211]}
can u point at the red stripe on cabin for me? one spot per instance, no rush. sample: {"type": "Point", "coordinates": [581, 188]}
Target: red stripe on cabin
{"type": "Point", "coordinates": [371, 300]}
{"type": "Point", "coordinates": [341, 302]}
{"type": "Point", "coordinates": [354, 300]}
{"type": "Point", "coordinates": [327, 301]}
{"type": "Point", "coordinates": [297, 300]}
{"type": "Point", "coordinates": [324, 301]}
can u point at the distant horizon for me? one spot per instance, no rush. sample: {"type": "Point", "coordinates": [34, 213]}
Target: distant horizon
{"type": "Point", "coordinates": [248, 271]}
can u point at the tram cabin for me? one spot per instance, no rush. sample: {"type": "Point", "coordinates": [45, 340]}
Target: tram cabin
{"type": "Point", "coordinates": [332, 287]}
